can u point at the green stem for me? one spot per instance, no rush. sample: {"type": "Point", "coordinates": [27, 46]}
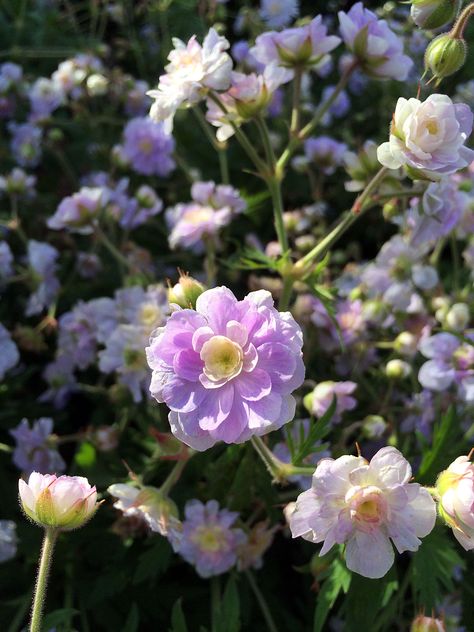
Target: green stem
{"type": "Point", "coordinates": [267, 615]}
{"type": "Point", "coordinates": [457, 31]}
{"type": "Point", "coordinates": [50, 536]}
{"type": "Point", "coordinates": [173, 477]}
{"type": "Point", "coordinates": [351, 216]}
{"type": "Point", "coordinates": [223, 163]}
{"type": "Point", "coordinates": [114, 251]}
{"type": "Point", "coordinates": [284, 302]}
{"type": "Point", "coordinates": [210, 262]}
{"type": "Point", "coordinates": [295, 110]}
{"type": "Point", "coordinates": [308, 129]}
{"type": "Point", "coordinates": [5, 448]}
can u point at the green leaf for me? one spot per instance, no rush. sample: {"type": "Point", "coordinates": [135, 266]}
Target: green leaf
{"type": "Point", "coordinates": [436, 458]}
{"type": "Point", "coordinates": [338, 580]}
{"type": "Point", "coordinates": [178, 622]}
{"type": "Point", "coordinates": [153, 562]}
{"type": "Point", "coordinates": [433, 566]}
{"type": "Point", "coordinates": [317, 431]}
{"type": "Point", "coordinates": [133, 620]}
{"type": "Point", "coordinates": [229, 612]}
{"type": "Point", "coordinates": [58, 617]}
{"type": "Point", "coordinates": [365, 599]}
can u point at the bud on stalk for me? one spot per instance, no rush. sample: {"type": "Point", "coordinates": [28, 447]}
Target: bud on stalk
{"type": "Point", "coordinates": [432, 14]}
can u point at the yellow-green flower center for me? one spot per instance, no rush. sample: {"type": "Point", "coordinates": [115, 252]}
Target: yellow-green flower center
{"type": "Point", "coordinates": [209, 538]}
{"type": "Point", "coordinates": [222, 358]}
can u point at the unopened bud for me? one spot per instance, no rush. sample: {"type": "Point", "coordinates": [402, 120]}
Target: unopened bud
{"type": "Point", "coordinates": [458, 317]}
{"type": "Point", "coordinates": [185, 293]}
{"type": "Point", "coordinates": [374, 426]}
{"type": "Point", "coordinates": [397, 369]}
{"type": "Point", "coordinates": [405, 343]}
{"type": "Point", "coordinates": [390, 209]}
{"type": "Point", "coordinates": [432, 14]}
{"type": "Point", "coordinates": [427, 624]}
{"type": "Point", "coordinates": [97, 85]}
{"type": "Point", "coordinates": [445, 55]}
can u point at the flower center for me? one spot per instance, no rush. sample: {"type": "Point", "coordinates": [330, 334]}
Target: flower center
{"type": "Point", "coordinates": [199, 216]}
{"type": "Point", "coordinates": [209, 539]}
{"type": "Point", "coordinates": [432, 127]}
{"type": "Point", "coordinates": [222, 358]}
{"type": "Point", "coordinates": [146, 146]}
{"type": "Point", "coordinates": [367, 507]}
{"type": "Point", "coordinates": [150, 314]}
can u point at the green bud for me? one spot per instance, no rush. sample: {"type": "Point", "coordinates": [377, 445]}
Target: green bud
{"type": "Point", "coordinates": [432, 14]}
{"type": "Point", "coordinates": [186, 292]}
{"type": "Point", "coordinates": [445, 55]}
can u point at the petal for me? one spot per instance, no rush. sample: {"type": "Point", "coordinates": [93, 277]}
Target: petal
{"type": "Point", "coordinates": [369, 554]}
{"type": "Point", "coordinates": [390, 467]}
{"type": "Point", "coordinates": [253, 386]}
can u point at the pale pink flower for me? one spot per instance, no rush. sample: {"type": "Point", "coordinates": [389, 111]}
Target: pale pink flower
{"type": "Point", "coordinates": [367, 506]}
{"type": "Point", "coordinates": [455, 487]}
{"type": "Point", "coordinates": [192, 71]}
{"type": "Point", "coordinates": [64, 503]}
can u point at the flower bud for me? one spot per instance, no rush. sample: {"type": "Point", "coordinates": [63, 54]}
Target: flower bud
{"type": "Point", "coordinates": [427, 624]}
{"type": "Point", "coordinates": [63, 503]}
{"type": "Point", "coordinates": [406, 343]}
{"type": "Point", "coordinates": [186, 292]}
{"type": "Point", "coordinates": [97, 85]}
{"type": "Point", "coordinates": [432, 14]}
{"type": "Point", "coordinates": [458, 317]}
{"type": "Point", "coordinates": [445, 55]}
{"type": "Point", "coordinates": [397, 369]}
{"type": "Point", "coordinates": [374, 426]}
{"type": "Point", "coordinates": [455, 489]}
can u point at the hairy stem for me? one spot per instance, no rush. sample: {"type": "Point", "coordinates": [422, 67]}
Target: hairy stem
{"type": "Point", "coordinates": [50, 536]}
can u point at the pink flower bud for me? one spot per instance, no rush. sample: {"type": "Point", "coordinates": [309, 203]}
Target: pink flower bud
{"type": "Point", "coordinates": [427, 624]}
{"type": "Point", "coordinates": [64, 503]}
{"type": "Point", "coordinates": [455, 487]}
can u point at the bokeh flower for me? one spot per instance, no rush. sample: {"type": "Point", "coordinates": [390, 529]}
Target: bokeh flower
{"type": "Point", "coordinates": [8, 540]}
{"type": "Point", "coordinates": [148, 147]}
{"type": "Point", "coordinates": [34, 450]}
{"type": "Point", "coordinates": [209, 541]}
{"type": "Point", "coordinates": [10, 355]}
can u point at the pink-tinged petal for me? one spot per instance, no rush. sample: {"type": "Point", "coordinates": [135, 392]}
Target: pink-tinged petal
{"type": "Point", "coordinates": [299, 518]}
{"type": "Point", "coordinates": [188, 365]}
{"type": "Point", "coordinates": [233, 426]}
{"type": "Point", "coordinates": [237, 333]}
{"type": "Point", "coordinates": [209, 384]}
{"type": "Point", "coordinates": [27, 497]}
{"type": "Point", "coordinates": [361, 476]}
{"type": "Point", "coordinates": [421, 512]}
{"type": "Point", "coordinates": [200, 336]}
{"type": "Point", "coordinates": [369, 554]}
{"type": "Point", "coordinates": [216, 408]}
{"type": "Point", "coordinates": [391, 467]}
{"type": "Point", "coordinates": [332, 476]}
{"type": "Point", "coordinates": [192, 436]}
{"type": "Point", "coordinates": [263, 413]}
{"type": "Point", "coordinates": [250, 359]}
{"type": "Point", "coordinates": [466, 540]}
{"type": "Point", "coordinates": [218, 307]}
{"type": "Point", "coordinates": [253, 386]}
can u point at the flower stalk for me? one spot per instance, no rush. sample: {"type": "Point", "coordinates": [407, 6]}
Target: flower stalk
{"type": "Point", "coordinates": [50, 537]}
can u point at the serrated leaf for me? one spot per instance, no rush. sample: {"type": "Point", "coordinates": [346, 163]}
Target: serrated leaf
{"type": "Point", "coordinates": [338, 580]}
{"type": "Point", "coordinates": [433, 568]}
{"type": "Point", "coordinates": [364, 601]}
{"type": "Point", "coordinates": [178, 622]}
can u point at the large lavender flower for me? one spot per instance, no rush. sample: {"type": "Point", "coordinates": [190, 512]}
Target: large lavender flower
{"type": "Point", "coordinates": [208, 541]}
{"type": "Point", "coordinates": [33, 453]}
{"type": "Point", "coordinates": [450, 362]}
{"type": "Point", "coordinates": [9, 356]}
{"type": "Point", "coordinates": [227, 369]}
{"type": "Point", "coordinates": [8, 540]}
{"type": "Point", "coordinates": [26, 143]}
{"type": "Point", "coordinates": [42, 260]}
{"type": "Point", "coordinates": [377, 48]}
{"type": "Point", "coordinates": [148, 147]}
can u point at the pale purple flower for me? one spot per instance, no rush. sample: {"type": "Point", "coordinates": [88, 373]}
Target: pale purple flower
{"type": "Point", "coordinates": [79, 213]}
{"type": "Point", "coordinates": [136, 101]}
{"type": "Point", "coordinates": [450, 362]}
{"type": "Point", "coordinates": [11, 76]}
{"type": "Point", "coordinates": [227, 369]}
{"type": "Point", "coordinates": [253, 92]}
{"type": "Point", "coordinates": [42, 261]}
{"type": "Point", "coordinates": [18, 182]}
{"type": "Point", "coordinates": [367, 506]}
{"type": "Point", "coordinates": [421, 413]}
{"type": "Point", "coordinates": [6, 260]}
{"type": "Point", "coordinates": [8, 540]}
{"type": "Point", "coordinates": [77, 335]}
{"type": "Point", "coordinates": [428, 137]}
{"type": "Point", "coordinates": [209, 541]}
{"type": "Point", "coordinates": [25, 143]}
{"type": "Point", "coordinates": [124, 354]}
{"type": "Point", "coordinates": [323, 394]}
{"type": "Point", "coordinates": [438, 214]}
{"type": "Point", "coordinates": [308, 45]}
{"type": "Point", "coordinates": [45, 97]}
{"type": "Point", "coordinates": [62, 383]}
{"type": "Point", "coordinates": [88, 265]}
{"type": "Point", "coordinates": [339, 108]}
{"type": "Point", "coordinates": [278, 13]}
{"type": "Point", "coordinates": [325, 152]}
{"type": "Point", "coordinates": [214, 207]}
{"type": "Point", "coordinates": [33, 451]}
{"type": "Point", "coordinates": [9, 357]}
{"type": "Point", "coordinates": [377, 48]}
{"type": "Point", "coordinates": [148, 147]}
{"type": "Point", "coordinates": [192, 71]}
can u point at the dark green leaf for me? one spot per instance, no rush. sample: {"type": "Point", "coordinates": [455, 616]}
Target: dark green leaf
{"type": "Point", "coordinates": [229, 612]}
{"type": "Point", "coordinates": [58, 617]}
{"type": "Point", "coordinates": [133, 620]}
{"type": "Point", "coordinates": [178, 622]}
{"type": "Point", "coordinates": [436, 458]}
{"type": "Point", "coordinates": [153, 562]}
{"type": "Point", "coordinates": [317, 431]}
{"type": "Point", "coordinates": [338, 580]}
